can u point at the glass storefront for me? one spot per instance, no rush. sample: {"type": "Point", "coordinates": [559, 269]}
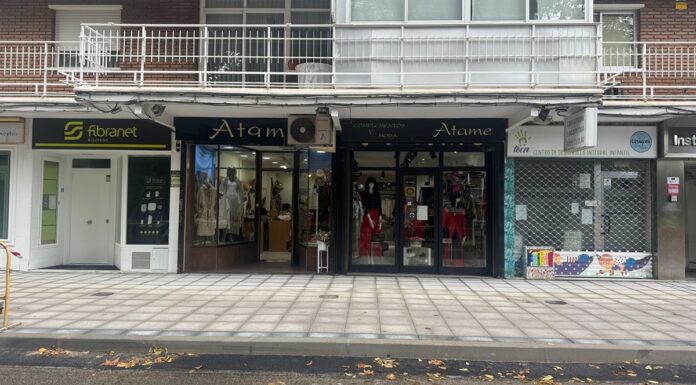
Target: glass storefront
{"type": "Point", "coordinates": [246, 206]}
{"type": "Point", "coordinates": [420, 211]}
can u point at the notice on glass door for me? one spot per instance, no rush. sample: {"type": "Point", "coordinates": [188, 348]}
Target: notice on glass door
{"type": "Point", "coordinates": [422, 213]}
{"type": "Point", "coordinates": [585, 181]}
{"type": "Point", "coordinates": [521, 212]}
{"type": "Point", "coordinates": [587, 215]}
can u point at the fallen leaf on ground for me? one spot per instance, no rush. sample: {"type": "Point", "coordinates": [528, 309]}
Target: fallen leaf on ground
{"type": "Point", "coordinates": [310, 363]}
{"type": "Point", "coordinates": [575, 379]}
{"type": "Point", "coordinates": [366, 372]}
{"type": "Point", "coordinates": [653, 382]}
{"type": "Point", "coordinates": [594, 366]}
{"type": "Point", "coordinates": [113, 362]}
{"type": "Point", "coordinates": [648, 367]}
{"type": "Point", "coordinates": [158, 351]}
{"type": "Point", "coordinates": [436, 362]}
{"type": "Point", "coordinates": [463, 369]}
{"type": "Point", "coordinates": [386, 362]}
{"type": "Point", "coordinates": [557, 369]}
{"type": "Point", "coordinates": [488, 377]}
{"type": "Point", "coordinates": [363, 366]}
{"type": "Point", "coordinates": [432, 377]}
{"type": "Point", "coordinates": [391, 376]}
{"type": "Point", "coordinates": [546, 380]}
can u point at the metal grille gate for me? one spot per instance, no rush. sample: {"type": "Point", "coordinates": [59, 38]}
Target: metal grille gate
{"type": "Point", "coordinates": [583, 204]}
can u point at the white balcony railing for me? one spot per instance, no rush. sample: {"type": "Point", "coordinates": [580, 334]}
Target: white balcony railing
{"type": "Point", "coordinates": [649, 70]}
{"type": "Point", "coordinates": [474, 57]}
{"type": "Point", "coordinates": [340, 56]}
{"type": "Point", "coordinates": [37, 67]}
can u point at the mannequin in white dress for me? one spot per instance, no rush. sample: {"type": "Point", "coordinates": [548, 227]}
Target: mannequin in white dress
{"type": "Point", "coordinates": [231, 191]}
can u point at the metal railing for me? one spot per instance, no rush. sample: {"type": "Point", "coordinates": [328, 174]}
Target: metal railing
{"type": "Point", "coordinates": [340, 56]}
{"type": "Point", "coordinates": [649, 70]}
{"type": "Point", "coordinates": [38, 67]}
{"type": "Point", "coordinates": [350, 57]}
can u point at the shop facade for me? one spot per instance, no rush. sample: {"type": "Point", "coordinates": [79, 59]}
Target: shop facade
{"type": "Point", "coordinates": [593, 209]}
{"type": "Point", "coordinates": [421, 195]}
{"type": "Point", "coordinates": [251, 201]}
{"type": "Point", "coordinates": [101, 195]}
{"type": "Point", "coordinates": [676, 194]}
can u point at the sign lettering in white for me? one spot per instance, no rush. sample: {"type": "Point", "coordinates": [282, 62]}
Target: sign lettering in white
{"type": "Point", "coordinates": [12, 132]}
{"type": "Point", "coordinates": [613, 142]}
{"type": "Point", "coordinates": [580, 130]}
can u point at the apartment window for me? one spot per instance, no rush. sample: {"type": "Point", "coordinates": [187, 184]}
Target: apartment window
{"type": "Point", "coordinates": [49, 203]}
{"type": "Point", "coordinates": [486, 10]}
{"type": "Point", "coordinates": [395, 10]}
{"type": "Point", "coordinates": [619, 35]}
{"type": "Point", "coordinates": [4, 193]}
{"type": "Point", "coordinates": [68, 26]}
{"type": "Point", "coordinates": [557, 9]}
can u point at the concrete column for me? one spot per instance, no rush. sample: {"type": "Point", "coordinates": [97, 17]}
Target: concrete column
{"type": "Point", "coordinates": [671, 223]}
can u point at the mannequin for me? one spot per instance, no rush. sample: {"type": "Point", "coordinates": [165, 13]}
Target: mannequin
{"type": "Point", "coordinates": [231, 192]}
{"type": "Point", "coordinates": [276, 199]}
{"type": "Point", "coordinates": [371, 226]}
{"type": "Point", "coordinates": [205, 206]}
{"type": "Point", "coordinates": [323, 191]}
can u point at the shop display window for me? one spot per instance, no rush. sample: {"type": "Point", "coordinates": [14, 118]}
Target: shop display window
{"type": "Point", "coordinates": [225, 195]}
{"type": "Point", "coordinates": [314, 197]}
{"type": "Point", "coordinates": [4, 193]}
{"type": "Point", "coordinates": [373, 211]}
{"type": "Point", "coordinates": [148, 200]}
{"type": "Point", "coordinates": [464, 201]}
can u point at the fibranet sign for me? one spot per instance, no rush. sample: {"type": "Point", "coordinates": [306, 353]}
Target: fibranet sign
{"type": "Point", "coordinates": [103, 134]}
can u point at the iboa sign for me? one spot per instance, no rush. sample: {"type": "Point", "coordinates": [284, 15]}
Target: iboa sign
{"type": "Point", "coordinates": [613, 142]}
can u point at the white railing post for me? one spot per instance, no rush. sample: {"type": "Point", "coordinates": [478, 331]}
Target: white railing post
{"type": "Point", "coordinates": [333, 56]}
{"type": "Point", "coordinates": [269, 46]}
{"type": "Point", "coordinates": [45, 70]}
{"type": "Point", "coordinates": [467, 57]}
{"type": "Point", "coordinates": [643, 72]}
{"type": "Point", "coordinates": [599, 49]}
{"type": "Point", "coordinates": [532, 57]}
{"type": "Point", "coordinates": [203, 80]}
{"type": "Point", "coordinates": [402, 53]}
{"type": "Point", "coordinates": [83, 54]}
{"type": "Point", "coordinates": [143, 53]}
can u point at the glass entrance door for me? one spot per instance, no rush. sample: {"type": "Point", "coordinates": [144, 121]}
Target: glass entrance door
{"type": "Point", "coordinates": [418, 224]}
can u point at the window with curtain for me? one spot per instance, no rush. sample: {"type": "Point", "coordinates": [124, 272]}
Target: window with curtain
{"type": "Point", "coordinates": [486, 10]}
{"type": "Point", "coordinates": [556, 9]}
{"type": "Point", "coordinates": [377, 10]}
{"type": "Point", "coordinates": [619, 32]}
{"type": "Point", "coordinates": [425, 10]}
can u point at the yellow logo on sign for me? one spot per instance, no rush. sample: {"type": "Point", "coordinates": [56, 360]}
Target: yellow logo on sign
{"type": "Point", "coordinates": [681, 6]}
{"type": "Point", "coordinates": [73, 130]}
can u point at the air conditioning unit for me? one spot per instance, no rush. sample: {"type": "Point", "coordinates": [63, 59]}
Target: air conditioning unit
{"type": "Point", "coordinates": [310, 130]}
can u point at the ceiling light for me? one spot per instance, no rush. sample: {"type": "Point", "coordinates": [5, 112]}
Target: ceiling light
{"type": "Point", "coordinates": [321, 152]}
{"type": "Point", "coordinates": [266, 158]}
{"type": "Point", "coordinates": [274, 162]}
{"type": "Point", "coordinates": [284, 167]}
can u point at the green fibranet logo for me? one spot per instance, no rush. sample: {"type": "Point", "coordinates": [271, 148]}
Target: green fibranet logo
{"type": "Point", "coordinates": [75, 130]}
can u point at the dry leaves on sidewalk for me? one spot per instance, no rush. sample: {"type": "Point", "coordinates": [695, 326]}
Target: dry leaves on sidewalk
{"type": "Point", "coordinates": [155, 356]}
{"type": "Point", "coordinates": [439, 363]}
{"type": "Point", "coordinates": [57, 352]}
{"type": "Point", "coordinates": [386, 362]}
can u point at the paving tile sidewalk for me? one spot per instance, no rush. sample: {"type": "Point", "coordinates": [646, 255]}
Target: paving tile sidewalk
{"type": "Point", "coordinates": [360, 307]}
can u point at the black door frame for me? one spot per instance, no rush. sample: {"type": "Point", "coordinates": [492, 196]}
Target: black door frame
{"type": "Point", "coordinates": [400, 204]}
{"type": "Point", "coordinates": [494, 168]}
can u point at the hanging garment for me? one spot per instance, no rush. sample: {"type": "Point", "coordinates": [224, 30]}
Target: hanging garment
{"type": "Point", "coordinates": [455, 222]}
{"type": "Point", "coordinates": [205, 211]}
{"type": "Point", "coordinates": [231, 193]}
{"type": "Point", "coordinates": [369, 243]}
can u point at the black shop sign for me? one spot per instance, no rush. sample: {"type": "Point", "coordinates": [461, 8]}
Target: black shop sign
{"type": "Point", "coordinates": [248, 131]}
{"type": "Point", "coordinates": [681, 142]}
{"type": "Point", "coordinates": [423, 130]}
{"type": "Point", "coordinates": [100, 134]}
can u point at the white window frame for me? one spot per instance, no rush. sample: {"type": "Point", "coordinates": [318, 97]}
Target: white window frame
{"type": "Point", "coordinates": [286, 11]}
{"type": "Point", "coordinates": [77, 8]}
{"type": "Point", "coordinates": [467, 17]}
{"type": "Point", "coordinates": [11, 193]}
{"type": "Point", "coordinates": [624, 10]}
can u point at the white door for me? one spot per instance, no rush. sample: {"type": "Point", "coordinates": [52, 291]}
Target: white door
{"type": "Point", "coordinates": [90, 218]}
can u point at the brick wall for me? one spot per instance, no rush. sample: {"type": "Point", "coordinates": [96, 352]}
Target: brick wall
{"type": "Point", "coordinates": [33, 20]}
{"type": "Point", "coordinates": [660, 21]}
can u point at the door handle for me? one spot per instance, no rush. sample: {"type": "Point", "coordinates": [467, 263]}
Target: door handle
{"type": "Point", "coordinates": [89, 221]}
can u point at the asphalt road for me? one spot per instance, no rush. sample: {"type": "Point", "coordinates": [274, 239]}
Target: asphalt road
{"type": "Point", "coordinates": [69, 368]}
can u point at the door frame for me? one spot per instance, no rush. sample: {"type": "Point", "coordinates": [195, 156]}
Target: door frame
{"type": "Point", "coordinates": [437, 231]}
{"type": "Point", "coordinates": [113, 186]}
{"type": "Point", "coordinates": [494, 168]}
